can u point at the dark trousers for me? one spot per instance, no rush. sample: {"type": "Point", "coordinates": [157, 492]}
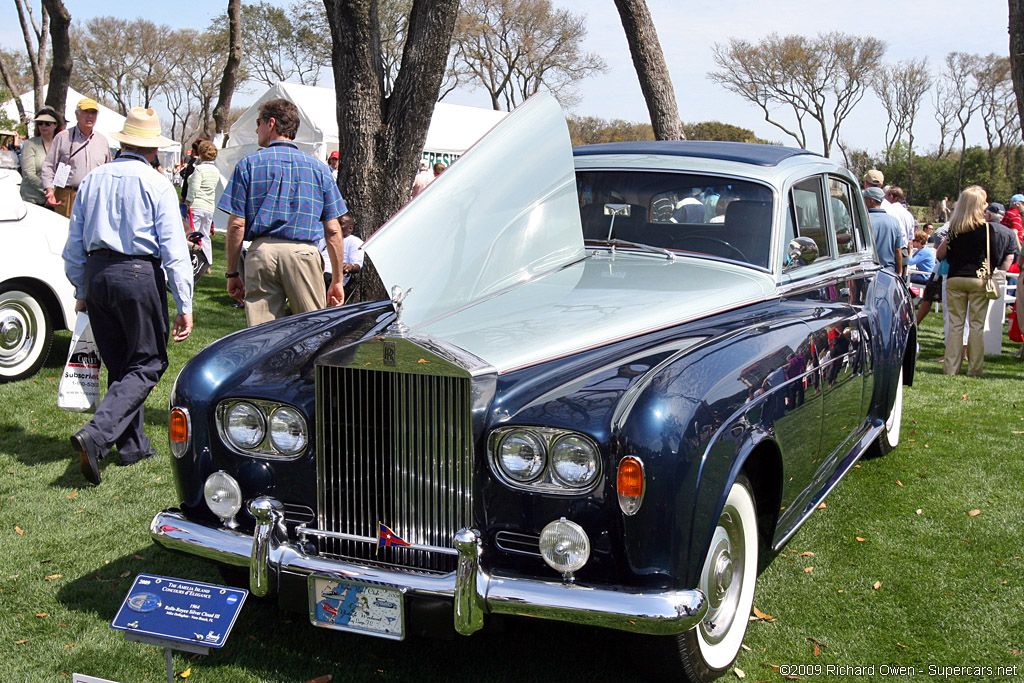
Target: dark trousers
{"type": "Point", "coordinates": [127, 304]}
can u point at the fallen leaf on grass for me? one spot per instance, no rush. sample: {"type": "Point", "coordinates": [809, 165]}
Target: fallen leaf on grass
{"type": "Point", "coordinates": [139, 557]}
{"type": "Point", "coordinates": [822, 506]}
{"type": "Point", "coordinates": [807, 554]}
{"type": "Point", "coordinates": [739, 673]}
{"type": "Point", "coordinates": [126, 574]}
{"type": "Point", "coordinates": [186, 673]}
{"type": "Point", "coordinates": [963, 397]}
{"type": "Point", "coordinates": [899, 483]}
{"type": "Point", "coordinates": [860, 538]}
{"type": "Point", "coordinates": [808, 570]}
{"type": "Point", "coordinates": [69, 645]}
{"type": "Point", "coordinates": [758, 614]}
{"type": "Point", "coordinates": [22, 641]}
{"type": "Point", "coordinates": [876, 585]}
{"type": "Point", "coordinates": [817, 650]}
{"type": "Point", "coordinates": [73, 494]}
{"type": "Point", "coordinates": [18, 530]}
{"type": "Point", "coordinates": [42, 614]}
{"type": "Point", "coordinates": [321, 679]}
{"type": "Point", "coordinates": [901, 645]}
{"type": "Point", "coordinates": [919, 511]}
{"type": "Point", "coordinates": [51, 577]}
{"type": "Point", "coordinates": [974, 513]}
{"type": "Point", "coordinates": [1015, 651]}
{"type": "Point", "coordinates": [744, 647]}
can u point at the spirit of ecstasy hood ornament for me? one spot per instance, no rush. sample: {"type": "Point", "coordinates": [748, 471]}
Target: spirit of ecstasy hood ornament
{"type": "Point", "coordinates": [398, 328]}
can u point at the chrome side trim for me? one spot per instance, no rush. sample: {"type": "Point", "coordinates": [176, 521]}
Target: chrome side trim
{"type": "Point", "coordinates": [472, 591]}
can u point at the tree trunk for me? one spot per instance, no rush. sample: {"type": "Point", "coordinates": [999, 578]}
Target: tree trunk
{"type": "Point", "coordinates": [60, 42]}
{"type": "Point", "coordinates": [1017, 53]}
{"type": "Point", "coordinates": [22, 115]}
{"type": "Point", "coordinates": [227, 82]}
{"type": "Point", "coordinates": [381, 138]}
{"type": "Point", "coordinates": [649, 61]}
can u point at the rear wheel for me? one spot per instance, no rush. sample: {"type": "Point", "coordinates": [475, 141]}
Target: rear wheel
{"type": "Point", "coordinates": [25, 333]}
{"type": "Point", "coordinates": [727, 579]}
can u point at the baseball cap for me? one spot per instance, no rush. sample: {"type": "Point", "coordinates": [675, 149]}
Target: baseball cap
{"type": "Point", "coordinates": [1017, 198]}
{"type": "Point", "coordinates": [87, 103]}
{"type": "Point", "coordinates": [997, 208]}
{"type": "Point", "coordinates": [875, 178]}
{"type": "Point", "coordinates": [334, 155]}
{"type": "Point", "coordinates": [875, 193]}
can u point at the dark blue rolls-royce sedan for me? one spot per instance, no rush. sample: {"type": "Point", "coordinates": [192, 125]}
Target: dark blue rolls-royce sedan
{"type": "Point", "coordinates": [608, 379]}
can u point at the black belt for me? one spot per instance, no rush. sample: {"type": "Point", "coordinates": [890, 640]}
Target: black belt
{"type": "Point", "coordinates": [112, 255]}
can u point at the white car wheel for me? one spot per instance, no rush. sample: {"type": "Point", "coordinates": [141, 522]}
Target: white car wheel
{"type": "Point", "coordinates": [25, 333]}
{"type": "Point", "coordinates": [727, 578]}
{"type": "Point", "coordinates": [892, 423]}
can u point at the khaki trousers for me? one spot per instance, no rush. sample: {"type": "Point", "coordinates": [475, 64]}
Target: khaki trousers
{"type": "Point", "coordinates": [66, 197]}
{"type": "Point", "coordinates": [279, 270]}
{"type": "Point", "coordinates": [961, 291]}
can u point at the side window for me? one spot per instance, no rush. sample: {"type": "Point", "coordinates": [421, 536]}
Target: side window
{"type": "Point", "coordinates": [849, 238]}
{"type": "Point", "coordinates": [808, 214]}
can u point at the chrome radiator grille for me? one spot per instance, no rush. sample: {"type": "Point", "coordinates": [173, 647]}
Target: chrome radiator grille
{"type": "Point", "coordinates": [396, 449]}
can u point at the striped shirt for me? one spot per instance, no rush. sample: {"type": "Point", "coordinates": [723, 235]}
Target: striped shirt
{"type": "Point", "coordinates": [81, 153]}
{"type": "Point", "coordinates": [283, 192]}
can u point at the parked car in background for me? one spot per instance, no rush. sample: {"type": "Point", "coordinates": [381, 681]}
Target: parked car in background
{"type": "Point", "coordinates": [608, 380]}
{"type": "Point", "coordinates": [35, 295]}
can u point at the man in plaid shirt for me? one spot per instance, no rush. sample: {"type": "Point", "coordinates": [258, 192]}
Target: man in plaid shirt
{"type": "Point", "coordinates": [283, 200]}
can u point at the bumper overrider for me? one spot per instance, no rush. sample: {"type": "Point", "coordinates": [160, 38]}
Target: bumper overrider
{"type": "Point", "coordinates": [474, 593]}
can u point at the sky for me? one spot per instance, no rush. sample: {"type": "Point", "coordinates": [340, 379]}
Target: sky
{"type": "Point", "coordinates": [688, 31]}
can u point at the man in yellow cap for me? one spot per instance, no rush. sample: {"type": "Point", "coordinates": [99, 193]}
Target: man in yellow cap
{"type": "Point", "coordinates": [124, 234]}
{"type": "Point", "coordinates": [73, 153]}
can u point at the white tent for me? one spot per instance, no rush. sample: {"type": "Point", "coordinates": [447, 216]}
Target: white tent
{"type": "Point", "coordinates": [108, 121]}
{"type": "Point", "coordinates": [453, 128]}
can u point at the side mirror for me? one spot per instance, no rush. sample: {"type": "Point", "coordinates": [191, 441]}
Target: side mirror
{"type": "Point", "coordinates": [802, 251]}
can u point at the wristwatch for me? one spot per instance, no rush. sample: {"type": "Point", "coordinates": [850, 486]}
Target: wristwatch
{"type": "Point", "coordinates": [231, 275]}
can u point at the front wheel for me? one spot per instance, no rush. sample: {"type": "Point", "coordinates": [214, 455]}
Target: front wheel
{"type": "Point", "coordinates": [25, 333]}
{"type": "Point", "coordinates": [727, 579]}
{"type": "Point", "coordinates": [890, 436]}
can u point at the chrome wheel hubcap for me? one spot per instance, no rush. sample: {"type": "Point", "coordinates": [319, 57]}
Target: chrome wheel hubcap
{"type": "Point", "coordinates": [722, 577]}
{"type": "Point", "coordinates": [17, 332]}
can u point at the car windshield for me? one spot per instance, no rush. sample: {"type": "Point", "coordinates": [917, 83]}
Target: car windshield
{"type": "Point", "coordinates": [705, 214]}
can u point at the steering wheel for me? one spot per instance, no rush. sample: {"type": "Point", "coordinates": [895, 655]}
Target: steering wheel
{"type": "Point", "coordinates": [679, 244]}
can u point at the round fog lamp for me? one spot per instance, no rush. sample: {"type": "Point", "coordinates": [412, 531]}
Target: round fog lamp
{"type": "Point", "coordinates": [288, 430]}
{"type": "Point", "coordinates": [223, 496]}
{"type": "Point", "coordinates": [244, 425]}
{"type": "Point", "coordinates": [564, 546]}
{"type": "Point", "coordinates": [574, 461]}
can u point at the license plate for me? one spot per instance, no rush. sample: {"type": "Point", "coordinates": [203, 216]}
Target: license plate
{"type": "Point", "coordinates": [354, 606]}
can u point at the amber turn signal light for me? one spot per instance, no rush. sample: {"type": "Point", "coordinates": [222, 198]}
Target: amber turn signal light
{"type": "Point", "coordinates": [179, 426]}
{"type": "Point", "coordinates": [178, 432]}
{"type": "Point", "coordinates": [629, 484]}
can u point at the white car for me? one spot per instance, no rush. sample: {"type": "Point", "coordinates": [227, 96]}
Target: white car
{"type": "Point", "coordinates": [35, 296]}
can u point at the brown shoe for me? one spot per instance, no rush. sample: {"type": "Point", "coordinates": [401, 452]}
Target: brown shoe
{"type": "Point", "coordinates": [88, 462]}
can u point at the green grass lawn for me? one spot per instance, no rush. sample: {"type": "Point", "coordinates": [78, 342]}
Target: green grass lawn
{"type": "Point", "coordinates": [904, 571]}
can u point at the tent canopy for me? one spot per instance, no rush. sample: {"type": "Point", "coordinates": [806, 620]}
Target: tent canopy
{"type": "Point", "coordinates": [453, 128]}
{"type": "Point", "coordinates": [108, 121]}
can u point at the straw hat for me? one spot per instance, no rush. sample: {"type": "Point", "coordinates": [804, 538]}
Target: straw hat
{"type": "Point", "coordinates": [142, 129]}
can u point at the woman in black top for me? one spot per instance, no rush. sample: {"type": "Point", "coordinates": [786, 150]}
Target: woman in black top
{"type": "Point", "coordinates": [964, 250]}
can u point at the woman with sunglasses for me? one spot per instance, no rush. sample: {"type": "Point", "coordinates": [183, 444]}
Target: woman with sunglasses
{"type": "Point", "coordinates": [33, 152]}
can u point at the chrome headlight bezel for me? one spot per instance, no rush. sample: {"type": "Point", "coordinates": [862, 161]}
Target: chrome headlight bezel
{"type": "Point", "coordinates": [266, 448]}
{"type": "Point", "coordinates": [547, 481]}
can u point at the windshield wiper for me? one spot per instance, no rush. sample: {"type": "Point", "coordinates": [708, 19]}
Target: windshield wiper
{"type": "Point", "coordinates": [645, 247]}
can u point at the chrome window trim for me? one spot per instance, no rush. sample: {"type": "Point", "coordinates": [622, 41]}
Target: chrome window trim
{"type": "Point", "coordinates": [265, 450]}
{"type": "Point", "coordinates": [546, 482]}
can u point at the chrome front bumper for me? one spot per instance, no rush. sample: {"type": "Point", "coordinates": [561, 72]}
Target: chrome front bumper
{"type": "Point", "coordinates": [473, 592]}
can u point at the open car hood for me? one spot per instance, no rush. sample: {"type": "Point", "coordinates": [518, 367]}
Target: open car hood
{"type": "Point", "coordinates": [505, 213]}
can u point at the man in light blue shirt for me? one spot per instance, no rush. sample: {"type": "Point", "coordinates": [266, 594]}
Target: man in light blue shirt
{"type": "Point", "coordinates": [885, 229]}
{"type": "Point", "coordinates": [124, 225]}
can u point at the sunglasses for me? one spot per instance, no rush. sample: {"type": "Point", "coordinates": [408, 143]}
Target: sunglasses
{"type": "Point", "coordinates": [45, 123]}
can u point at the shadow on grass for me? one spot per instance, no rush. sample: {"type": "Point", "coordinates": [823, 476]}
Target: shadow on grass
{"type": "Point", "coordinates": [274, 644]}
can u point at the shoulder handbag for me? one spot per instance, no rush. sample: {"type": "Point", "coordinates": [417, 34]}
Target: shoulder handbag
{"type": "Point", "coordinates": [989, 278]}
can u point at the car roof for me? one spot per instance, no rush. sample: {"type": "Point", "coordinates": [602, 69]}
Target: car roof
{"type": "Point", "coordinates": [743, 152]}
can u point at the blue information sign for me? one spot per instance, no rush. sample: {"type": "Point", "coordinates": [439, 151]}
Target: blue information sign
{"type": "Point", "coordinates": [177, 609]}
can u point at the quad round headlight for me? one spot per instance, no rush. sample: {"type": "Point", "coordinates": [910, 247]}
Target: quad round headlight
{"type": "Point", "coordinates": [288, 430]}
{"type": "Point", "coordinates": [223, 496]}
{"type": "Point", "coordinates": [574, 461]}
{"type": "Point", "coordinates": [521, 455]}
{"type": "Point", "coordinates": [564, 545]}
{"type": "Point", "coordinates": [244, 425]}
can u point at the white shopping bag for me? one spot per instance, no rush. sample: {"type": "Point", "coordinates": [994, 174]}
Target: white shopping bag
{"type": "Point", "coordinates": [79, 390]}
